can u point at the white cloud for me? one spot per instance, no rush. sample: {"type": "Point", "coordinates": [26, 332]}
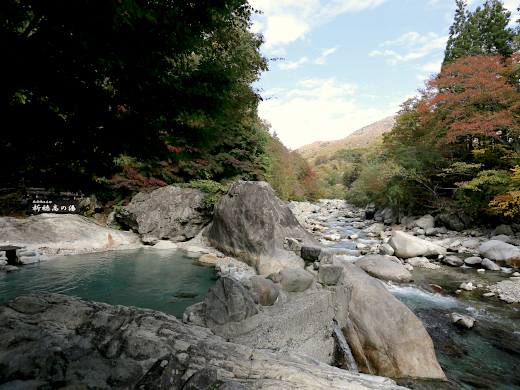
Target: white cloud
{"type": "Point", "coordinates": [285, 21]}
{"type": "Point", "coordinates": [293, 64]}
{"type": "Point", "coordinates": [413, 46]}
{"type": "Point", "coordinates": [326, 52]}
{"type": "Point", "coordinates": [318, 109]}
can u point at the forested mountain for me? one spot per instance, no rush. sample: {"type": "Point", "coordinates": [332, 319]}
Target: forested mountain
{"type": "Point", "coordinates": [457, 144]}
{"type": "Point", "coordinates": [358, 139]}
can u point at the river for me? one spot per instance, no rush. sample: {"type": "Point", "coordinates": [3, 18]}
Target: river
{"type": "Point", "coordinates": [484, 357]}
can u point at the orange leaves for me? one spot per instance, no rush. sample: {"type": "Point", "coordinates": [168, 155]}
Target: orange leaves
{"type": "Point", "coordinates": [473, 96]}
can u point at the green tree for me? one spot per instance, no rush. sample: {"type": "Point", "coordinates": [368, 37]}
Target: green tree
{"type": "Point", "coordinates": [90, 81]}
{"type": "Point", "coordinates": [483, 32]}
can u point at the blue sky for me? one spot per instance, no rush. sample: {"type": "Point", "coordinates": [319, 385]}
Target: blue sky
{"type": "Point", "coordinates": [347, 63]}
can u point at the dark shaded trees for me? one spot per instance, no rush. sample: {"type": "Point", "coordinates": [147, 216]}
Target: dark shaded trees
{"type": "Point", "coordinates": [164, 84]}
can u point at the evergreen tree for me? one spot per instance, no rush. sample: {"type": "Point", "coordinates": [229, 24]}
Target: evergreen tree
{"type": "Point", "coordinates": [483, 32]}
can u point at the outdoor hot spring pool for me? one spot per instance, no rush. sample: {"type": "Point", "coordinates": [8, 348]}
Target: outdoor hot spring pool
{"type": "Point", "coordinates": [164, 280]}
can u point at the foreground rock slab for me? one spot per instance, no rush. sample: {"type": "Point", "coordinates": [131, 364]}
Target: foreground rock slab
{"type": "Point", "coordinates": [52, 340]}
{"type": "Point", "coordinates": [252, 223]}
{"type": "Point", "coordinates": [64, 234]}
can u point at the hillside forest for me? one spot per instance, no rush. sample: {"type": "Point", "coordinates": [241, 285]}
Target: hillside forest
{"type": "Point", "coordinates": [456, 144]}
{"type": "Point", "coordinates": [130, 95]}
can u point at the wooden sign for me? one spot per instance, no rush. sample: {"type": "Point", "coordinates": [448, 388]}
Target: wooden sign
{"type": "Point", "coordinates": [54, 206]}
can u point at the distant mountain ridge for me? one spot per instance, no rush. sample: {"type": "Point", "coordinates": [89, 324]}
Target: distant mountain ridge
{"type": "Point", "coordinates": [358, 139]}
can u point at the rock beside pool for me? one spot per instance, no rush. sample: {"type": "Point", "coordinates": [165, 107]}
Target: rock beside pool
{"type": "Point", "coordinates": [52, 340]}
{"type": "Point", "coordinates": [252, 223]}
{"type": "Point", "coordinates": [64, 234]}
{"type": "Point", "coordinates": [168, 213]}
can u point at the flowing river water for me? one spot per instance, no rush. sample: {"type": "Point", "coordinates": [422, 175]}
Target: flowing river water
{"type": "Point", "coordinates": [484, 357]}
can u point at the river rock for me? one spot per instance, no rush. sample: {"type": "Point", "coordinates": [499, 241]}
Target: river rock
{"type": "Point", "coordinates": [462, 320]}
{"type": "Point", "coordinates": [501, 251]}
{"type": "Point", "coordinates": [431, 231]}
{"type": "Point", "coordinates": [165, 245]}
{"type": "Point", "coordinates": [473, 261]}
{"type": "Point", "coordinates": [380, 267]}
{"type": "Point", "coordinates": [208, 260]}
{"type": "Point", "coordinates": [63, 234]}
{"type": "Point", "coordinates": [386, 249]}
{"type": "Point", "coordinates": [329, 274]}
{"type": "Point", "coordinates": [405, 245]}
{"type": "Point", "coordinates": [168, 213]}
{"type": "Point", "coordinates": [228, 301]}
{"type": "Point", "coordinates": [388, 216]}
{"type": "Point", "coordinates": [296, 279]}
{"type": "Point", "coordinates": [52, 340]}
{"type": "Point", "coordinates": [263, 291]}
{"type": "Point", "coordinates": [503, 229]}
{"type": "Point", "coordinates": [201, 380]}
{"type": "Point", "coordinates": [490, 265]}
{"type": "Point", "coordinates": [450, 220]}
{"type": "Point", "coordinates": [398, 346]}
{"type": "Point", "coordinates": [375, 228]}
{"type": "Point", "coordinates": [251, 222]}
{"type": "Point", "coordinates": [425, 222]}
{"type": "Point", "coordinates": [453, 260]}
{"type": "Point", "coordinates": [502, 237]}
{"type": "Point", "coordinates": [471, 244]}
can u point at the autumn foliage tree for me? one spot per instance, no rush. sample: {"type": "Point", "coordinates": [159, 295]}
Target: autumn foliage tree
{"type": "Point", "coordinates": [472, 100]}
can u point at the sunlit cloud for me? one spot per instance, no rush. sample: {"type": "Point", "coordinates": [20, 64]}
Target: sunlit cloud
{"type": "Point", "coordinates": [292, 64]}
{"type": "Point", "coordinates": [285, 21]}
{"type": "Point", "coordinates": [320, 109]}
{"type": "Point", "coordinates": [326, 52]}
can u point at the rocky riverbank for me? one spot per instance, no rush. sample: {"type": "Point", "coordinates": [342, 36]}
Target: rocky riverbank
{"type": "Point", "coordinates": [426, 242]}
{"type": "Point", "coordinates": [304, 288]}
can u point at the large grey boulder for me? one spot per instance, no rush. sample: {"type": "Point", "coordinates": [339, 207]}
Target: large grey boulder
{"type": "Point", "coordinates": [500, 251]}
{"type": "Point", "coordinates": [251, 222]}
{"type": "Point", "coordinates": [57, 341]}
{"type": "Point", "coordinates": [425, 222]}
{"type": "Point", "coordinates": [228, 301]}
{"type": "Point", "coordinates": [168, 213]}
{"type": "Point", "coordinates": [385, 337]}
{"type": "Point", "coordinates": [296, 279]}
{"type": "Point", "coordinates": [405, 245]}
{"type": "Point", "coordinates": [450, 220]}
{"type": "Point", "coordinates": [503, 229]}
{"type": "Point", "coordinates": [382, 268]}
{"type": "Point", "coordinates": [63, 233]}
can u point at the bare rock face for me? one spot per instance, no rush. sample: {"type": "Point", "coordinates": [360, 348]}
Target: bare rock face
{"type": "Point", "coordinates": [385, 337]}
{"type": "Point", "coordinates": [168, 213]}
{"type": "Point", "coordinates": [251, 222]}
{"type": "Point", "coordinates": [57, 341]}
{"type": "Point", "coordinates": [405, 245]}
{"type": "Point", "coordinates": [63, 233]}
{"type": "Point", "coordinates": [382, 268]}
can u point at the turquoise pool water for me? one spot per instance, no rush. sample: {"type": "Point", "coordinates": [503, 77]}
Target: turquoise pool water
{"type": "Point", "coordinates": [144, 278]}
